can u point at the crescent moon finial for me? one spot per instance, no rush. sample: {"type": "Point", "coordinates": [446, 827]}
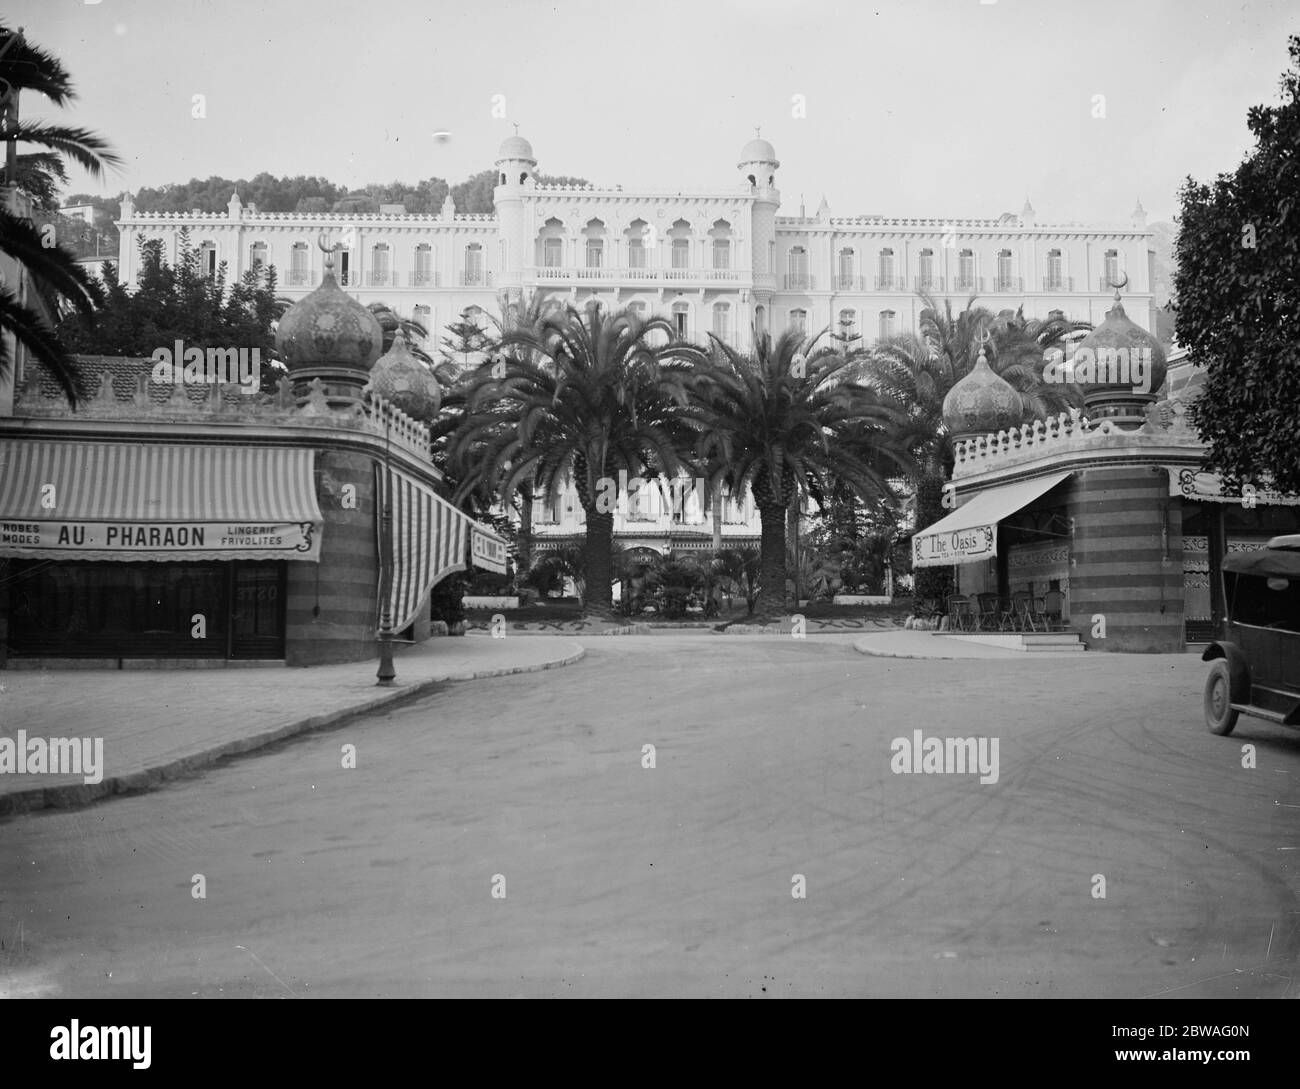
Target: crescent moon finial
{"type": "Point", "coordinates": [1123, 283]}
{"type": "Point", "coordinates": [327, 250]}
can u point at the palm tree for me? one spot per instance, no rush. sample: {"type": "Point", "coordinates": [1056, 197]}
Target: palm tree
{"type": "Point", "coordinates": [585, 397]}
{"type": "Point", "coordinates": [788, 417]}
{"type": "Point", "coordinates": [740, 567]}
{"type": "Point", "coordinates": [517, 314]}
{"type": "Point", "coordinates": [55, 277]}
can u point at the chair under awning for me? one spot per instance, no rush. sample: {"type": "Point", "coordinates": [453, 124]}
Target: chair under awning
{"type": "Point", "coordinates": [165, 502]}
{"type": "Point", "coordinates": [970, 533]}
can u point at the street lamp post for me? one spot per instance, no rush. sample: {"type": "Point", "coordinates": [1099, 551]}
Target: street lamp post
{"type": "Point", "coordinates": [387, 674]}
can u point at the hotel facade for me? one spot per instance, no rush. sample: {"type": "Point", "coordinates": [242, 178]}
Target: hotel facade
{"type": "Point", "coordinates": [719, 260]}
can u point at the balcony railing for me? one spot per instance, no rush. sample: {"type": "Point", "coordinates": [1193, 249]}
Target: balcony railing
{"type": "Point", "coordinates": [425, 279]}
{"type": "Point", "coordinates": [1009, 285]}
{"type": "Point", "coordinates": [968, 284]}
{"type": "Point", "coordinates": [850, 283]}
{"type": "Point", "coordinates": [1058, 283]}
{"type": "Point", "coordinates": [347, 279]}
{"type": "Point", "coordinates": [299, 277]}
{"type": "Point", "coordinates": [800, 281]}
{"type": "Point", "coordinates": [930, 284]}
{"type": "Point", "coordinates": [891, 283]}
{"type": "Point", "coordinates": [552, 273]}
{"type": "Point", "coordinates": [379, 278]}
{"type": "Point", "coordinates": [472, 277]}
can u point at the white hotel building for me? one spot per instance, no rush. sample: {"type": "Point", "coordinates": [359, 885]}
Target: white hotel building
{"type": "Point", "coordinates": [717, 259]}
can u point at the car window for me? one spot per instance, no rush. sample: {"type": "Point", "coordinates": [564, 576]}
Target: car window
{"type": "Point", "coordinates": [1266, 602]}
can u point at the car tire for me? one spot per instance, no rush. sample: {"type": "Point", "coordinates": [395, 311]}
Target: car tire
{"type": "Point", "coordinates": [1220, 715]}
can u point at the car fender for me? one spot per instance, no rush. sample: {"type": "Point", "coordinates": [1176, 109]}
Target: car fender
{"type": "Point", "coordinates": [1238, 668]}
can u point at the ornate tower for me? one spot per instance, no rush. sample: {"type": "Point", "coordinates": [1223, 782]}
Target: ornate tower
{"type": "Point", "coordinates": [515, 165]}
{"type": "Point", "coordinates": [758, 163]}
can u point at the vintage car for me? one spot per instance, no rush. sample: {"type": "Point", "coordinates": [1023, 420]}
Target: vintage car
{"type": "Point", "coordinates": [1256, 668]}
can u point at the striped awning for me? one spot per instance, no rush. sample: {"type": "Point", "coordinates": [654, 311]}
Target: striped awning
{"type": "Point", "coordinates": [132, 501]}
{"type": "Point", "coordinates": [429, 543]}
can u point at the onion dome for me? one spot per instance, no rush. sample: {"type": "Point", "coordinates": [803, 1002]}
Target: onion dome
{"type": "Point", "coordinates": [1118, 367]}
{"type": "Point", "coordinates": [515, 147]}
{"type": "Point", "coordinates": [758, 150]}
{"type": "Point", "coordinates": [328, 328]}
{"type": "Point", "coordinates": [981, 403]}
{"type": "Point", "coordinates": [404, 380]}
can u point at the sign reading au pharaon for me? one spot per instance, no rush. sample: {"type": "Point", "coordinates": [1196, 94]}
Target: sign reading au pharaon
{"type": "Point", "coordinates": [296, 540]}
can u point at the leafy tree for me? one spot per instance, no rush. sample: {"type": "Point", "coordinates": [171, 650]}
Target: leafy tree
{"type": "Point", "coordinates": [1237, 290]}
{"type": "Point", "coordinates": [56, 279]}
{"type": "Point", "coordinates": [475, 193]}
{"type": "Point", "coordinates": [180, 302]}
{"type": "Point", "coordinates": [741, 568]}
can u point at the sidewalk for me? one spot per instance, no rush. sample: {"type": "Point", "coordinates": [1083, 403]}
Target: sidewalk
{"type": "Point", "coordinates": [157, 724]}
{"type": "Point", "coordinates": [925, 644]}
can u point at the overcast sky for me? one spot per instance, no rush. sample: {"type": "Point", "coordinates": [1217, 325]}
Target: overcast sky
{"type": "Point", "coordinates": [942, 108]}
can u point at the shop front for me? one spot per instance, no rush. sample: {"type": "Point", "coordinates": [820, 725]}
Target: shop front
{"type": "Point", "coordinates": [118, 550]}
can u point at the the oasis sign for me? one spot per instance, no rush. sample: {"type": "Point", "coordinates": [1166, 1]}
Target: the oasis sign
{"type": "Point", "coordinates": [151, 540]}
{"type": "Point", "coordinates": [954, 546]}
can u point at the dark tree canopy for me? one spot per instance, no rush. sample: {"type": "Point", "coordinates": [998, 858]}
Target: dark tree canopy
{"type": "Point", "coordinates": [1237, 292]}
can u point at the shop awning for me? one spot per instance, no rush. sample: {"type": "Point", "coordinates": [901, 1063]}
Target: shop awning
{"type": "Point", "coordinates": [131, 502]}
{"type": "Point", "coordinates": [970, 533]}
{"type": "Point", "coordinates": [486, 549]}
{"type": "Point", "coordinates": [429, 543]}
{"type": "Point", "coordinates": [1208, 488]}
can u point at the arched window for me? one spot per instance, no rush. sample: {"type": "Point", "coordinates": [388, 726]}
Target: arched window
{"type": "Point", "coordinates": [848, 323]}
{"type": "Point", "coordinates": [760, 320]}
{"type": "Point", "coordinates": [1005, 279]}
{"type": "Point", "coordinates": [797, 269]}
{"type": "Point", "coordinates": [473, 264]}
{"type": "Point", "coordinates": [721, 253]}
{"type": "Point", "coordinates": [380, 270]}
{"type": "Point", "coordinates": [887, 323]}
{"type": "Point", "coordinates": [1110, 270]}
{"type": "Point", "coordinates": [637, 235]}
{"type": "Point", "coordinates": [552, 252]}
{"type": "Point", "coordinates": [423, 275]}
{"type": "Point", "coordinates": [722, 320]}
{"type": "Point", "coordinates": [682, 319]}
{"type": "Point", "coordinates": [1055, 272]}
{"type": "Point", "coordinates": [966, 271]}
{"type": "Point", "coordinates": [925, 278]}
{"type": "Point", "coordinates": [799, 321]}
{"type": "Point", "coordinates": [681, 253]}
{"type": "Point", "coordinates": [638, 308]}
{"type": "Point", "coordinates": [847, 261]}
{"type": "Point", "coordinates": [885, 281]}
{"type": "Point", "coordinates": [595, 252]}
{"type": "Point", "coordinates": [298, 258]}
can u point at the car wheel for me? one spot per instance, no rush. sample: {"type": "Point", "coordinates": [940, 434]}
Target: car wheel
{"type": "Point", "coordinates": [1220, 716]}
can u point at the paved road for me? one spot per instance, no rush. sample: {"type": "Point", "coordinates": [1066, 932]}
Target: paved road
{"type": "Point", "coordinates": [772, 759]}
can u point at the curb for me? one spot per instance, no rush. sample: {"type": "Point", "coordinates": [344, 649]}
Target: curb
{"type": "Point", "coordinates": [75, 795]}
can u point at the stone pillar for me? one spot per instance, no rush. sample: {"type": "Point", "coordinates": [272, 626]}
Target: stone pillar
{"type": "Point", "coordinates": [345, 583]}
{"type": "Point", "coordinates": [1126, 560]}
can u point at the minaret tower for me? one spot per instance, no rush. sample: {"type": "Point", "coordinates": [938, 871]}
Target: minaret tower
{"type": "Point", "coordinates": [515, 165]}
{"type": "Point", "coordinates": [758, 163]}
